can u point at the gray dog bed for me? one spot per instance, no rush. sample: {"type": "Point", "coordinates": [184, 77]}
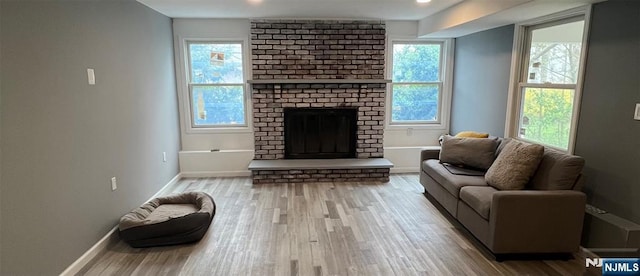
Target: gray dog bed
{"type": "Point", "coordinates": [169, 220]}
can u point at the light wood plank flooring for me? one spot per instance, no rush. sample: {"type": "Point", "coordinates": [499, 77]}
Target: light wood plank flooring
{"type": "Point", "coordinates": [321, 229]}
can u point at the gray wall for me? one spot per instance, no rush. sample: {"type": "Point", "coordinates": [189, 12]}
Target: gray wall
{"type": "Point", "coordinates": [608, 137]}
{"type": "Point", "coordinates": [0, 138]}
{"type": "Point", "coordinates": [63, 140]}
{"type": "Point", "coordinates": [481, 81]}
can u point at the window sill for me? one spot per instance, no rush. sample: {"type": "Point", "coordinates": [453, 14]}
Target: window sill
{"type": "Point", "coordinates": [415, 126]}
{"type": "Point", "coordinates": [541, 143]}
{"type": "Point", "coordinates": [220, 130]}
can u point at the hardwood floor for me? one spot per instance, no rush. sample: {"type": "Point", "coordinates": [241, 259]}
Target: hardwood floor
{"type": "Point", "coordinates": [321, 229]}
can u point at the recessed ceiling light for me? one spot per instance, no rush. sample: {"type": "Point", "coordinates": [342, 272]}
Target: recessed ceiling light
{"type": "Point", "coordinates": [423, 1]}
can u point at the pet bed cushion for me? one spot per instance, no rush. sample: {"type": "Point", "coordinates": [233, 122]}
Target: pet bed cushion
{"type": "Point", "coordinates": [174, 219]}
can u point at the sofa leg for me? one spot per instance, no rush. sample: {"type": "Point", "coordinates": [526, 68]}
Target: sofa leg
{"type": "Point", "coordinates": [566, 256]}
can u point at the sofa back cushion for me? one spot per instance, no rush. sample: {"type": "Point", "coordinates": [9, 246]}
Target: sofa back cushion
{"type": "Point", "coordinates": [476, 153]}
{"type": "Point", "coordinates": [514, 166]}
{"type": "Point", "coordinates": [557, 171]}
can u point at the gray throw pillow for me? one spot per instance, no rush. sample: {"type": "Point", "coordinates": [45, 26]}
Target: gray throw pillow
{"type": "Point", "coordinates": [515, 165]}
{"type": "Point", "coordinates": [476, 153]}
{"type": "Point", "coordinates": [557, 171]}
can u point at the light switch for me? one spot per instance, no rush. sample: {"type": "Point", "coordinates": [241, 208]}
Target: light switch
{"type": "Point", "coordinates": [636, 115]}
{"type": "Point", "coordinates": [91, 77]}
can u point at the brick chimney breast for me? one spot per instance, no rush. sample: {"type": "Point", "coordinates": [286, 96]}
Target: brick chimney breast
{"type": "Point", "coordinates": [317, 50]}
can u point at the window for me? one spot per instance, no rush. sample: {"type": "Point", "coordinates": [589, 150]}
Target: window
{"type": "Point", "coordinates": [549, 80]}
{"type": "Point", "coordinates": [416, 90]}
{"type": "Point", "coordinates": [216, 84]}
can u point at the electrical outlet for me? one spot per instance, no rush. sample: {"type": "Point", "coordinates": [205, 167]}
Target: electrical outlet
{"type": "Point", "coordinates": [636, 115]}
{"type": "Point", "coordinates": [164, 156]}
{"type": "Point", "coordinates": [114, 184]}
{"type": "Point", "coordinates": [91, 76]}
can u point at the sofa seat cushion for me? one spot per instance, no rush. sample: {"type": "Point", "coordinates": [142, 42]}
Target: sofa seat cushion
{"type": "Point", "coordinates": [451, 182]}
{"type": "Point", "coordinates": [478, 198]}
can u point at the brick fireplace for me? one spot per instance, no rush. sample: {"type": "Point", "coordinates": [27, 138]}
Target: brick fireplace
{"type": "Point", "coordinates": [317, 64]}
{"type": "Point", "coordinates": [269, 101]}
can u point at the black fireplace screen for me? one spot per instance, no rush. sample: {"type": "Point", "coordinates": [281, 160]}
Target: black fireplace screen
{"type": "Point", "coordinates": [320, 133]}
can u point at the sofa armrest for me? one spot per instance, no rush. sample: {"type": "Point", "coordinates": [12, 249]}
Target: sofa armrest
{"type": "Point", "coordinates": [430, 153]}
{"type": "Point", "coordinates": [536, 221]}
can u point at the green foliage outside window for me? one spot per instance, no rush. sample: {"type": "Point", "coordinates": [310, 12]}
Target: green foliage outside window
{"type": "Point", "coordinates": [547, 112]}
{"type": "Point", "coordinates": [416, 82]}
{"type": "Point", "coordinates": [416, 62]}
{"type": "Point", "coordinates": [547, 116]}
{"type": "Point", "coordinates": [415, 102]}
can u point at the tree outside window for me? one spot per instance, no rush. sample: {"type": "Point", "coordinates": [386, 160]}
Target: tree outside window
{"type": "Point", "coordinates": [417, 86]}
{"type": "Point", "coordinates": [548, 87]}
{"type": "Point", "coordinates": [216, 84]}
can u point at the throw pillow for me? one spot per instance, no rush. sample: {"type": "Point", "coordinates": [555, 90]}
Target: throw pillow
{"type": "Point", "coordinates": [476, 153]}
{"type": "Point", "coordinates": [557, 171]}
{"type": "Point", "coordinates": [515, 165]}
{"type": "Point", "coordinates": [501, 143]}
{"type": "Point", "coordinates": [472, 134]}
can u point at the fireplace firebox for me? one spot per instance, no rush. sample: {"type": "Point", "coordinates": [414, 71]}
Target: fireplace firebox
{"type": "Point", "coordinates": [320, 133]}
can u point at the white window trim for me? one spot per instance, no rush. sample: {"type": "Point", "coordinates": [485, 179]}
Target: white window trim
{"type": "Point", "coordinates": [446, 88]}
{"type": "Point", "coordinates": [184, 91]}
{"type": "Point", "coordinates": [514, 98]}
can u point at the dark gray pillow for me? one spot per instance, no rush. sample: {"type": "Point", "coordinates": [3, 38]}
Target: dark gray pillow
{"type": "Point", "coordinates": [476, 153]}
{"type": "Point", "coordinates": [557, 171]}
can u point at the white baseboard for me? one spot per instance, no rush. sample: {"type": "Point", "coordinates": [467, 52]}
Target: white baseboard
{"type": "Point", "coordinates": [215, 164]}
{"type": "Point", "coordinates": [248, 173]}
{"type": "Point", "coordinates": [109, 238]}
{"type": "Point", "coordinates": [173, 180]}
{"type": "Point", "coordinates": [405, 170]}
{"type": "Point", "coordinates": [232, 163]}
{"type": "Point", "coordinates": [405, 159]}
{"type": "Point", "coordinates": [215, 174]}
{"type": "Point", "coordinates": [101, 245]}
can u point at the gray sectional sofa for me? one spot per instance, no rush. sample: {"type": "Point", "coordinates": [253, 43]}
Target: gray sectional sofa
{"type": "Point", "coordinates": [544, 217]}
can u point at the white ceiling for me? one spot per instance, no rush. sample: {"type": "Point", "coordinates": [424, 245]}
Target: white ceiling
{"type": "Point", "coordinates": [438, 18]}
{"type": "Point", "coordinates": [360, 9]}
